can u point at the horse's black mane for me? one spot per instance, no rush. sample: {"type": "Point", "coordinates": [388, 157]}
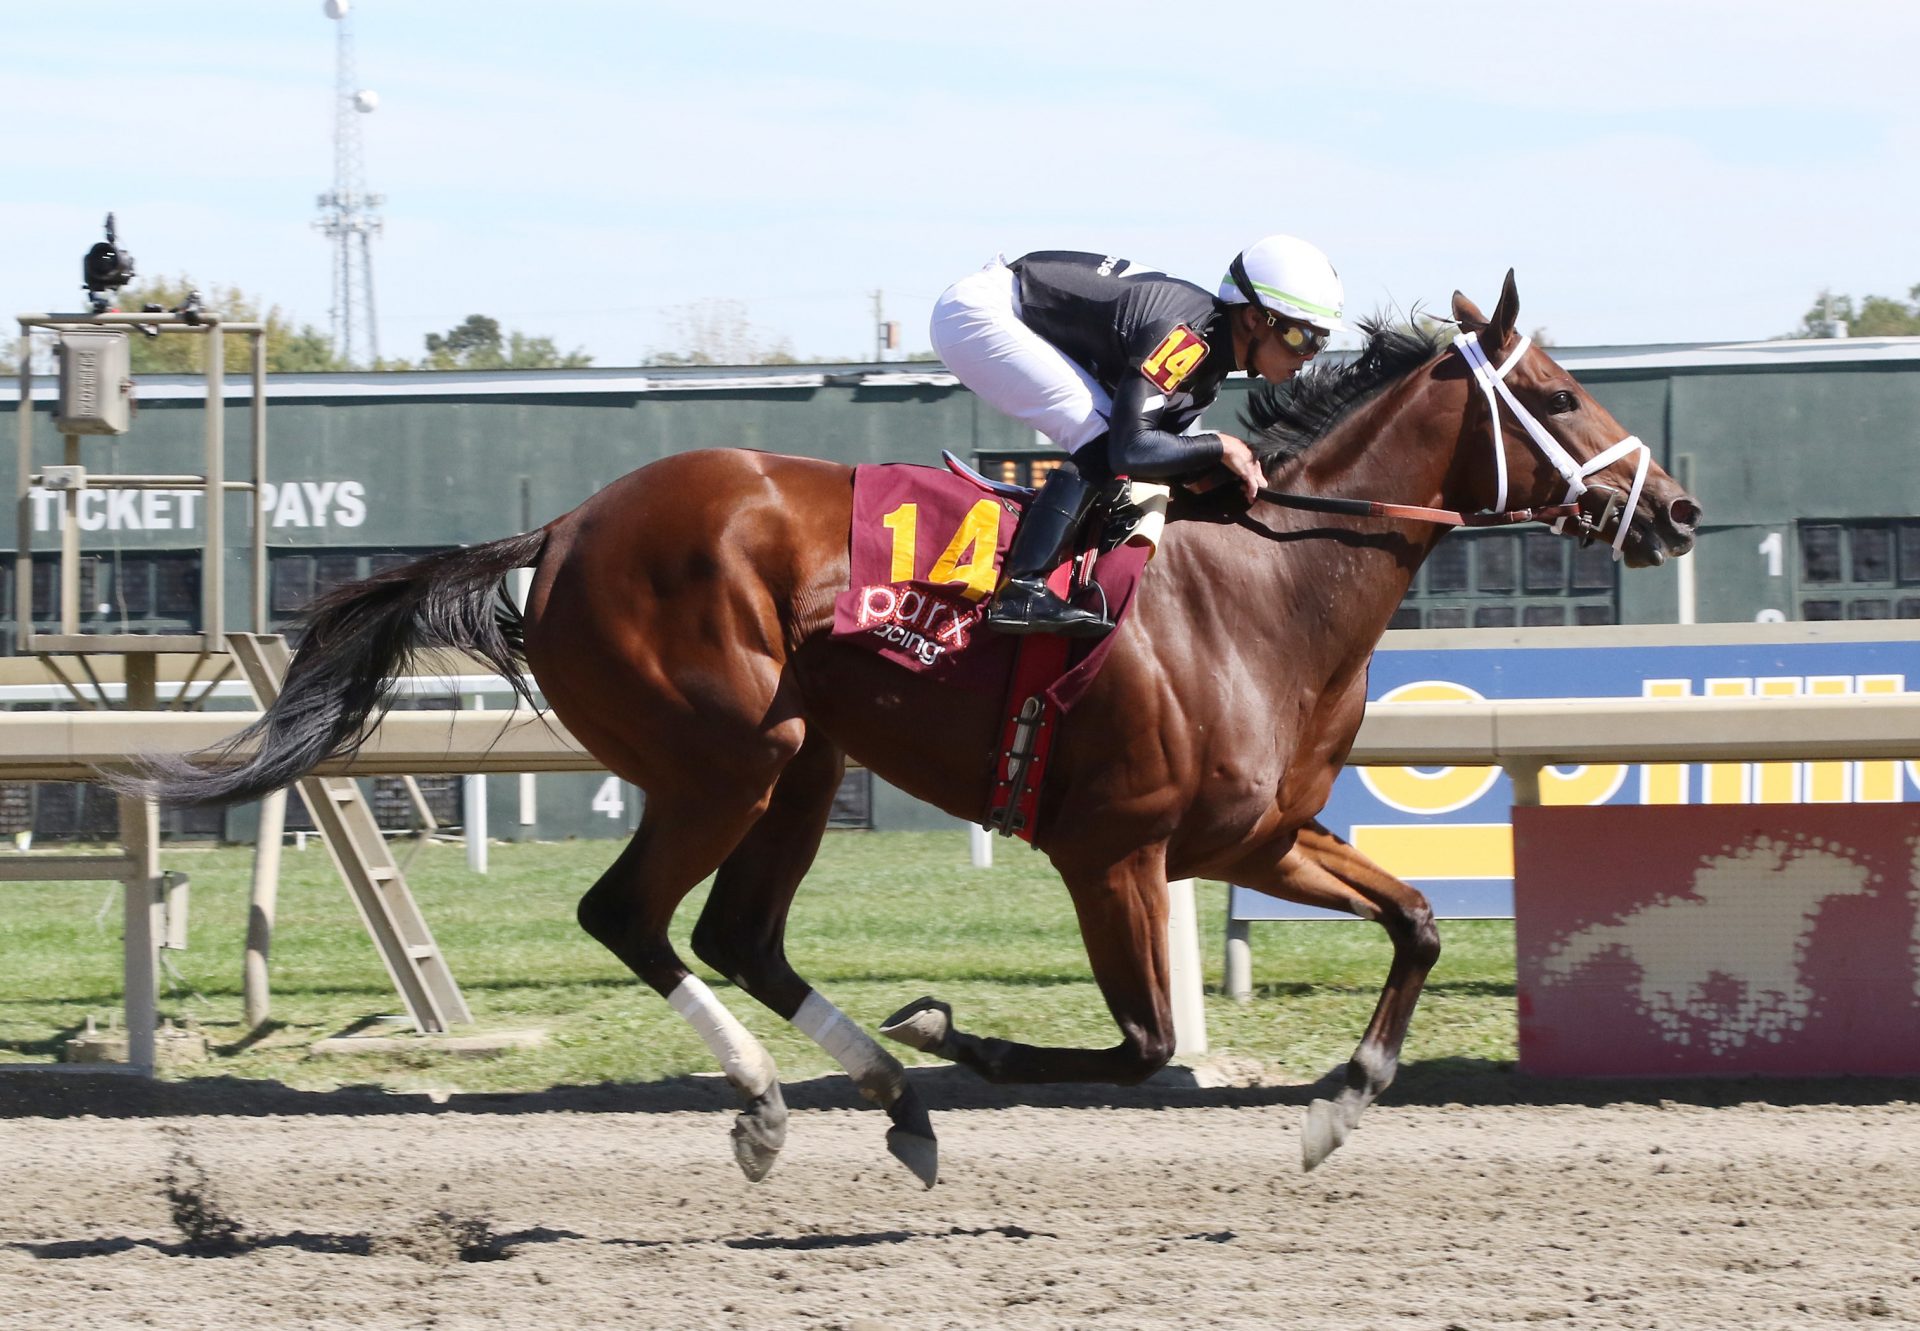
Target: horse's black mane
{"type": "Point", "coordinates": [1283, 419]}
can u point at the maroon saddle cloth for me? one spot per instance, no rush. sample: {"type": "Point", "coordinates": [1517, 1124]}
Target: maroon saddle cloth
{"type": "Point", "coordinates": [925, 551]}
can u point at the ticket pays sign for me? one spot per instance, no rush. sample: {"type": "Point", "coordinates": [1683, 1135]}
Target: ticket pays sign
{"type": "Point", "coordinates": [1771, 940]}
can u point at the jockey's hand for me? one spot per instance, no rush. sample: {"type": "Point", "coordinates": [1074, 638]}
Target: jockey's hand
{"type": "Point", "coordinates": [1237, 458]}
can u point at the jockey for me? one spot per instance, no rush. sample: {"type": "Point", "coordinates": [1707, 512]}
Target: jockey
{"type": "Point", "coordinates": [1114, 363]}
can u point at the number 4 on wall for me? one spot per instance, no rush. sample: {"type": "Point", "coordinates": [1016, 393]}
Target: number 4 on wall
{"type": "Point", "coordinates": [609, 799]}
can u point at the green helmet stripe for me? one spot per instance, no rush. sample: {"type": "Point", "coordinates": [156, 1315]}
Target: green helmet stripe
{"type": "Point", "coordinates": [1295, 301]}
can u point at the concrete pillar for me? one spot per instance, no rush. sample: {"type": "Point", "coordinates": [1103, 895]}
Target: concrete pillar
{"type": "Point", "coordinates": [477, 811]}
{"type": "Point", "coordinates": [255, 983]}
{"type": "Point", "coordinates": [143, 923]}
{"type": "Point", "coordinates": [1184, 976]}
{"type": "Point", "coordinates": [980, 846]}
{"type": "Point", "coordinates": [1239, 973]}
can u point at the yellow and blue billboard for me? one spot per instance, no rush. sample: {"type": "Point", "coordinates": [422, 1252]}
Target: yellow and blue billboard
{"type": "Point", "coordinates": [1447, 830]}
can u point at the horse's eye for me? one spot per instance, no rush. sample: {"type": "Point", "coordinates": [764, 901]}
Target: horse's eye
{"type": "Point", "coordinates": [1561, 403]}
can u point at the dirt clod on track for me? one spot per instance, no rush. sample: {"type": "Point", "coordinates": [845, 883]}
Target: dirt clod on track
{"type": "Point", "coordinates": [1482, 1201]}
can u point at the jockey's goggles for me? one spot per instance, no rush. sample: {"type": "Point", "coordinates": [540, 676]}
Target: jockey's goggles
{"type": "Point", "coordinates": [1300, 339]}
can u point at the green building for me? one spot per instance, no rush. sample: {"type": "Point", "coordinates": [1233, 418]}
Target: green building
{"type": "Point", "coordinates": [1803, 455]}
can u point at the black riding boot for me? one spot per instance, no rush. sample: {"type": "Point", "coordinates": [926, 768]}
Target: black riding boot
{"type": "Point", "coordinates": [1024, 603]}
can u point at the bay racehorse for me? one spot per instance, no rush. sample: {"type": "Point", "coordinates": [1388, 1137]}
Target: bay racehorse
{"type": "Point", "coordinates": [677, 623]}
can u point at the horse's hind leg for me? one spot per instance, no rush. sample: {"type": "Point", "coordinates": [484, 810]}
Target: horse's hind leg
{"type": "Point", "coordinates": [680, 841]}
{"type": "Point", "coordinates": [1322, 870]}
{"type": "Point", "coordinates": [1123, 922]}
{"type": "Point", "coordinates": [742, 934]}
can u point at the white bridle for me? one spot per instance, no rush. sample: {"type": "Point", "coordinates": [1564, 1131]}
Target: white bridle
{"type": "Point", "coordinates": [1493, 383]}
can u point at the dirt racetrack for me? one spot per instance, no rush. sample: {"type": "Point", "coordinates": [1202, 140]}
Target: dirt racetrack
{"type": "Point", "coordinates": [1467, 1201]}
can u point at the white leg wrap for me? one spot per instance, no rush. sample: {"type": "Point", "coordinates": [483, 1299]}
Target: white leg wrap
{"type": "Point", "coordinates": [1151, 498]}
{"type": "Point", "coordinates": [746, 1064]}
{"type": "Point", "coordinates": [876, 1072]}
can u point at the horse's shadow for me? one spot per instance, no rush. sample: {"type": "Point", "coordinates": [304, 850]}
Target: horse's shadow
{"type": "Point", "coordinates": [1430, 1083]}
{"type": "Point", "coordinates": [495, 1247]}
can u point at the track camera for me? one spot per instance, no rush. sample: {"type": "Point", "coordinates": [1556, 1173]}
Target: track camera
{"type": "Point", "coordinates": [106, 268]}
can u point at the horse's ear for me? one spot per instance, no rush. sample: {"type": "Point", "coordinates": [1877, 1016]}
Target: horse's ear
{"type": "Point", "coordinates": [1467, 313]}
{"type": "Point", "coordinates": [1505, 314]}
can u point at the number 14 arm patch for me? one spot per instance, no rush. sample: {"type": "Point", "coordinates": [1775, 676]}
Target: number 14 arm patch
{"type": "Point", "coordinates": [1174, 359]}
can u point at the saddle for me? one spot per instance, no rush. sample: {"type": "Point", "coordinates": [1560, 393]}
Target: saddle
{"type": "Point", "coordinates": [925, 550]}
{"type": "Point", "coordinates": [1132, 510]}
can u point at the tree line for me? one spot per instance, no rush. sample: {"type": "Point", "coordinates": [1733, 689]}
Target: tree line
{"type": "Point", "coordinates": [476, 343]}
{"type": "Point", "coordinates": [1872, 316]}
{"type": "Point", "coordinates": [709, 332]}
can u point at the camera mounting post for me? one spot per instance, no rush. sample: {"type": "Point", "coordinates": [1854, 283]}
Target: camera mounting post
{"type": "Point", "coordinates": [95, 396]}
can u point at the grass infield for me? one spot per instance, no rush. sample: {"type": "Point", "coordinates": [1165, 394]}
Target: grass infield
{"type": "Point", "coordinates": [881, 920]}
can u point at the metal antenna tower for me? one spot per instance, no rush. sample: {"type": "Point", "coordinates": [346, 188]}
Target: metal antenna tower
{"type": "Point", "coordinates": [348, 213]}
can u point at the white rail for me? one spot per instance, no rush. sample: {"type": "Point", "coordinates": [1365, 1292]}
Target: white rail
{"type": "Point", "coordinates": [1517, 734]}
{"type": "Point", "coordinates": [1521, 736]}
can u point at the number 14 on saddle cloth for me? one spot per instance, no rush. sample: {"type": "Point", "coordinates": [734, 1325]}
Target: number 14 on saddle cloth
{"type": "Point", "coordinates": [925, 553]}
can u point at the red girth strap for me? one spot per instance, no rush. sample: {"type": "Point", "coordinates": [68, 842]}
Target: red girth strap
{"type": "Point", "coordinates": [1026, 736]}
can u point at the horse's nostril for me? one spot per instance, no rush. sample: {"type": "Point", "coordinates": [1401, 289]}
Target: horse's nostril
{"type": "Point", "coordinates": [1684, 514]}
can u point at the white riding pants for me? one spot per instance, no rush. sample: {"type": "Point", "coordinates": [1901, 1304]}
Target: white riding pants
{"type": "Point", "coordinates": [977, 331]}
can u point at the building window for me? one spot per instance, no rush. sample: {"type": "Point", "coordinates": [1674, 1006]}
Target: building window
{"type": "Point", "coordinates": [853, 802]}
{"type": "Point", "coordinates": [336, 570]}
{"type": "Point", "coordinates": [295, 577]}
{"type": "Point", "coordinates": [134, 583]}
{"type": "Point", "coordinates": [1860, 570]}
{"type": "Point", "coordinates": [1493, 561]}
{"type": "Point", "coordinates": [159, 591]}
{"type": "Point", "coordinates": [1819, 554]}
{"type": "Point", "coordinates": [1027, 469]}
{"type": "Point", "coordinates": [177, 587]}
{"type": "Point", "coordinates": [290, 582]}
{"type": "Point", "coordinates": [1545, 561]}
{"type": "Point", "coordinates": [1446, 568]}
{"type": "Point", "coordinates": [1507, 579]}
{"type": "Point", "coordinates": [120, 592]}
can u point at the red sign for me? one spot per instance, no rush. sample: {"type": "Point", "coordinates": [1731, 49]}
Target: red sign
{"type": "Point", "coordinates": [1774, 940]}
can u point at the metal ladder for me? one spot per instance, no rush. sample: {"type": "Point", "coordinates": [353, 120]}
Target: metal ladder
{"type": "Point", "coordinates": [360, 852]}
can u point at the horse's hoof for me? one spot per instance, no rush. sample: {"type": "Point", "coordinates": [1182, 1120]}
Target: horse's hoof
{"type": "Point", "coordinates": [924, 1024]}
{"type": "Point", "coordinates": [911, 1137]}
{"type": "Point", "coordinates": [759, 1131]}
{"type": "Point", "coordinates": [920, 1154]}
{"type": "Point", "coordinates": [1324, 1131]}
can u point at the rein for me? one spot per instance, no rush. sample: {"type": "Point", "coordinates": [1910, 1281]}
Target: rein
{"type": "Point", "coordinates": [1493, 382]}
{"type": "Point", "coordinates": [1447, 517]}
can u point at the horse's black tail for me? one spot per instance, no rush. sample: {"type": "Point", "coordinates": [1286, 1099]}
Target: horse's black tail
{"type": "Point", "coordinates": [352, 641]}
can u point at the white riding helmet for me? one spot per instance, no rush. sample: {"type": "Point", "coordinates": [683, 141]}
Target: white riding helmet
{"type": "Point", "coordinates": [1284, 275]}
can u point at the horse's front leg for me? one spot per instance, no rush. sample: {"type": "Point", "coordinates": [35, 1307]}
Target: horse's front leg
{"type": "Point", "coordinates": [1322, 870]}
{"type": "Point", "coordinates": [1123, 921]}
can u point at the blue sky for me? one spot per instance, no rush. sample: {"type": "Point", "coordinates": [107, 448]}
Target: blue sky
{"type": "Point", "coordinates": [1655, 172]}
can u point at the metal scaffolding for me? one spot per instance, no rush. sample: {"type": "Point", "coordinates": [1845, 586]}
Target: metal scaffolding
{"type": "Point", "coordinates": [349, 214]}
